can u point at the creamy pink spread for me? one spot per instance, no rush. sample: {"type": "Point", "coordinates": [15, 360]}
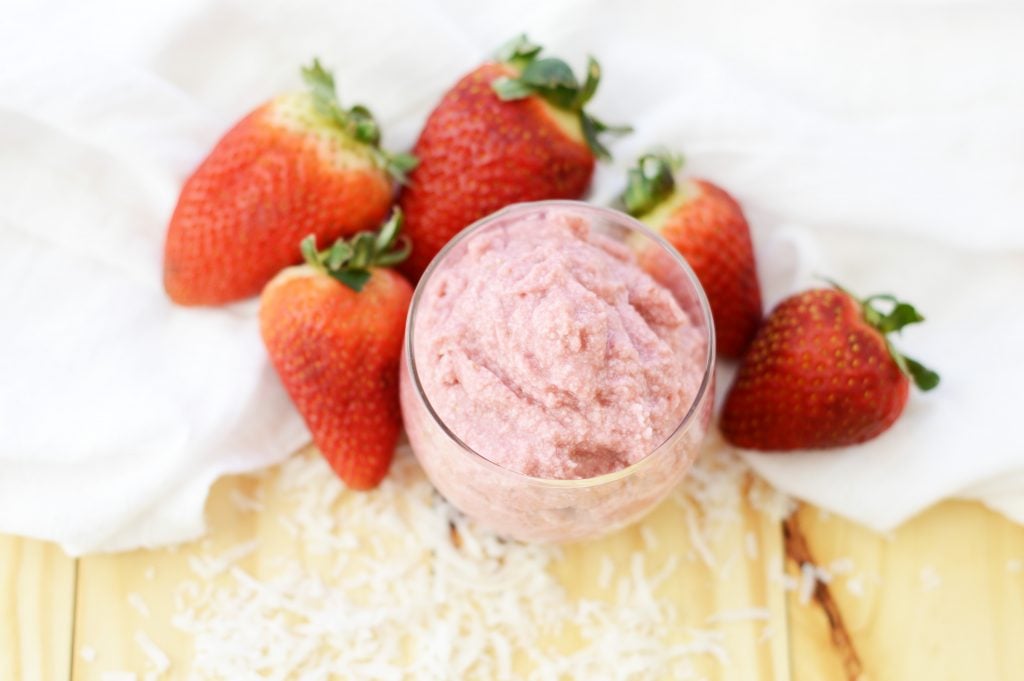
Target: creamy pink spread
{"type": "Point", "coordinates": [545, 348]}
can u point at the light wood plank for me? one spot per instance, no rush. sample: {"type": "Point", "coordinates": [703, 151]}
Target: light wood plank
{"type": "Point", "coordinates": [37, 585]}
{"type": "Point", "coordinates": [812, 656]}
{"type": "Point", "coordinates": [710, 596]}
{"type": "Point", "coordinates": [941, 598]}
{"type": "Point", "coordinates": [123, 596]}
{"type": "Point", "coordinates": [108, 623]}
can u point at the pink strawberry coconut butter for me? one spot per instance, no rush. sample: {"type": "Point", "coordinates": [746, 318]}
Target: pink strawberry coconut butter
{"type": "Point", "coordinates": [552, 388]}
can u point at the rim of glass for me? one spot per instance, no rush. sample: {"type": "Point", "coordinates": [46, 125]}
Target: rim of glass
{"type": "Point", "coordinates": [618, 217]}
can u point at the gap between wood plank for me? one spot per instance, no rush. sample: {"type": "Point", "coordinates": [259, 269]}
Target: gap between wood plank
{"type": "Point", "coordinates": [74, 621]}
{"type": "Point", "coordinates": [798, 550]}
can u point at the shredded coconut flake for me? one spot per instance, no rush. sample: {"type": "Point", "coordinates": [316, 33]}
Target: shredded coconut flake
{"type": "Point", "coordinates": [855, 585]}
{"type": "Point", "coordinates": [779, 576]}
{"type": "Point", "coordinates": [930, 579]}
{"type": "Point", "coordinates": [810, 576]}
{"type": "Point", "coordinates": [770, 502]}
{"type": "Point", "coordinates": [697, 539]}
{"type": "Point", "coordinates": [808, 581]}
{"type": "Point", "coordinates": [750, 545]}
{"type": "Point", "coordinates": [138, 603]}
{"type": "Point", "coordinates": [156, 657]}
{"type": "Point", "coordinates": [396, 584]}
{"type": "Point", "coordinates": [649, 536]}
{"type": "Point", "coordinates": [822, 574]}
{"type": "Point", "coordinates": [208, 567]}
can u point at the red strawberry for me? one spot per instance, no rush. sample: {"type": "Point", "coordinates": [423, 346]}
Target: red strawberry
{"type": "Point", "coordinates": [707, 227]}
{"type": "Point", "coordinates": [512, 130]}
{"type": "Point", "coordinates": [821, 373]}
{"type": "Point", "coordinates": [298, 165]}
{"type": "Point", "coordinates": [334, 331]}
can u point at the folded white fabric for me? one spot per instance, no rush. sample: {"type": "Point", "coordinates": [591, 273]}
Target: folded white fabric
{"type": "Point", "coordinates": [879, 145]}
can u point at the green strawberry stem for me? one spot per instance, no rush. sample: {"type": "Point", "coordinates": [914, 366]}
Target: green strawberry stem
{"type": "Point", "coordinates": [349, 261]}
{"type": "Point", "coordinates": [357, 122]}
{"type": "Point", "coordinates": [650, 181]}
{"type": "Point", "coordinates": [553, 80]}
{"type": "Point", "coordinates": [899, 315]}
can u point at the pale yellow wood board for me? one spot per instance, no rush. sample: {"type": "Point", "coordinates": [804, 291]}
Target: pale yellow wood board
{"type": "Point", "coordinates": [37, 586]}
{"type": "Point", "coordinates": [120, 595]}
{"type": "Point", "coordinates": [108, 623]}
{"type": "Point", "coordinates": [812, 653]}
{"type": "Point", "coordinates": [942, 598]}
{"type": "Point", "coordinates": [756, 649]}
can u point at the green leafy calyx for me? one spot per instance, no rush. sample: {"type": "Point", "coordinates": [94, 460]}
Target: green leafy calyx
{"type": "Point", "coordinates": [892, 317]}
{"type": "Point", "coordinates": [357, 122]}
{"type": "Point", "coordinates": [553, 80]}
{"type": "Point", "coordinates": [650, 181]}
{"type": "Point", "coordinates": [350, 260]}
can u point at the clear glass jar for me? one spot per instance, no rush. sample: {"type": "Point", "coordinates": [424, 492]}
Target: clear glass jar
{"type": "Point", "coordinates": [540, 509]}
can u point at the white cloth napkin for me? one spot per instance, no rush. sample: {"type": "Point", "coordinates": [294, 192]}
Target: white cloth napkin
{"type": "Point", "coordinates": [880, 144]}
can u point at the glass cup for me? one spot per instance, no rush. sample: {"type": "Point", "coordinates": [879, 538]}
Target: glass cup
{"type": "Point", "coordinates": [558, 510]}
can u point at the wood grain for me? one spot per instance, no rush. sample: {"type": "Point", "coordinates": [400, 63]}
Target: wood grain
{"type": "Point", "coordinates": [941, 598]}
{"type": "Point", "coordinates": [709, 597]}
{"type": "Point", "coordinates": [123, 596]}
{"type": "Point", "coordinates": [108, 623]}
{"type": "Point", "coordinates": [37, 586]}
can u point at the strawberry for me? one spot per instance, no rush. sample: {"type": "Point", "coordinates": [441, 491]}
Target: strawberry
{"type": "Point", "coordinates": [821, 373]}
{"type": "Point", "coordinates": [511, 130]}
{"type": "Point", "coordinates": [334, 330]}
{"type": "Point", "coordinates": [297, 165]}
{"type": "Point", "coordinates": [707, 227]}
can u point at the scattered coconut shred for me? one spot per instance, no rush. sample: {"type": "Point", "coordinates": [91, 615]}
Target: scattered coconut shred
{"type": "Point", "coordinates": [396, 584]}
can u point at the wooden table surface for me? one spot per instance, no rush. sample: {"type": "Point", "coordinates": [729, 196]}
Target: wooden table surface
{"type": "Point", "coordinates": [941, 598]}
